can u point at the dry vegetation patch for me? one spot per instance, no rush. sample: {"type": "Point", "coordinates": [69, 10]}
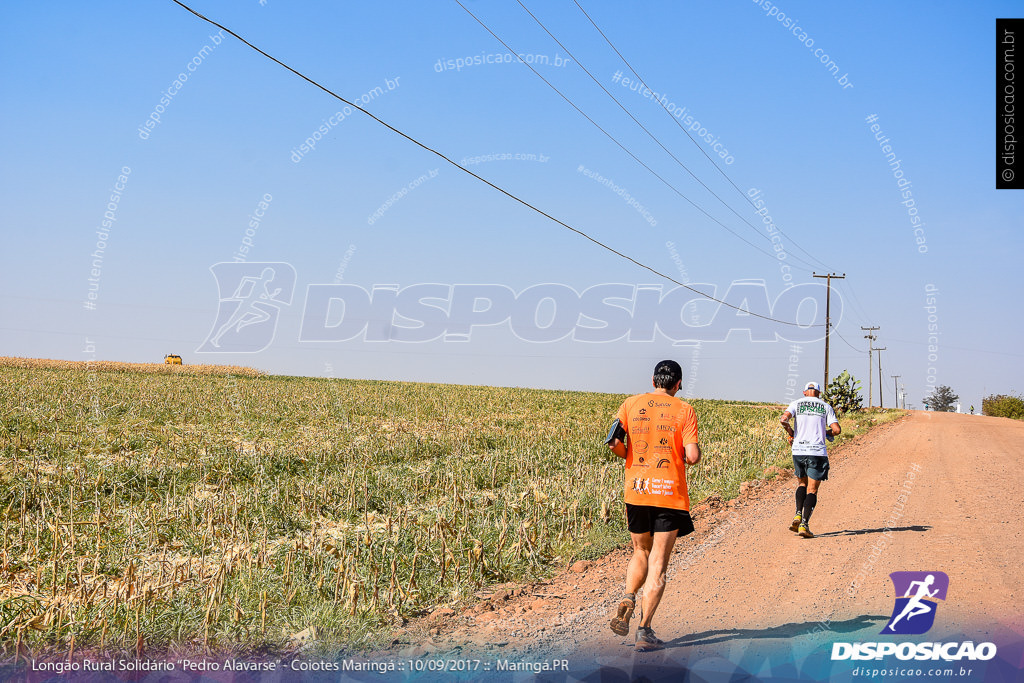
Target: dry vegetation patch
{"type": "Point", "coordinates": [189, 512]}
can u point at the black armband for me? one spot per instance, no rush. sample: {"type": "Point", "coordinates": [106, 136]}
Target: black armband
{"type": "Point", "coordinates": [616, 432]}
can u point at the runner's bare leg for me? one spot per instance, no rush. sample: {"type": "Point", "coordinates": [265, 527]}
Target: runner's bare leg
{"type": "Point", "coordinates": [657, 566]}
{"type": "Point", "coordinates": [636, 571]}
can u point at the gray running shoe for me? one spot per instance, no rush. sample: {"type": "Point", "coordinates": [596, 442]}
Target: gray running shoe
{"type": "Point", "coordinates": [646, 641]}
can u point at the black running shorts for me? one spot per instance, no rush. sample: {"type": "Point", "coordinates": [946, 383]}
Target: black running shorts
{"type": "Point", "coordinates": [646, 519]}
{"type": "Point", "coordinates": [813, 466]}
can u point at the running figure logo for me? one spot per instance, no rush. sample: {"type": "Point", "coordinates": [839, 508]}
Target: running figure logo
{"type": "Point", "coordinates": [251, 296]}
{"type": "Point", "coordinates": [914, 612]}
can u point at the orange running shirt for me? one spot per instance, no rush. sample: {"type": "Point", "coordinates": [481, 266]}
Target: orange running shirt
{"type": "Point", "coordinates": [657, 427]}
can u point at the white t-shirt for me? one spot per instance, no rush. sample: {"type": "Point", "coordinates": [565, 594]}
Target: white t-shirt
{"type": "Point", "coordinates": [812, 417]}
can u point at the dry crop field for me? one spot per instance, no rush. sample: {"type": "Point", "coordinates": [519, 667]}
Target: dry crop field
{"type": "Point", "coordinates": [175, 512]}
{"type": "Point", "coordinates": [113, 366]}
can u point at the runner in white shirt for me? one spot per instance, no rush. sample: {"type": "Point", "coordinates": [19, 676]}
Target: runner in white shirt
{"type": "Point", "coordinates": [815, 422]}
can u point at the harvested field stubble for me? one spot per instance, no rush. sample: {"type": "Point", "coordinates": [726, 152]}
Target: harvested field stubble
{"type": "Point", "coordinates": [179, 512]}
{"type": "Point", "coordinates": [115, 366]}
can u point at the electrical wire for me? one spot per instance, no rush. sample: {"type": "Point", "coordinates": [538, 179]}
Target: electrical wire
{"type": "Point", "coordinates": [858, 309]}
{"type": "Point", "coordinates": [651, 135]}
{"type": "Point", "coordinates": [682, 128]}
{"type": "Point", "coordinates": [613, 139]}
{"type": "Point", "coordinates": [480, 178]}
{"type": "Point", "coordinates": [836, 332]}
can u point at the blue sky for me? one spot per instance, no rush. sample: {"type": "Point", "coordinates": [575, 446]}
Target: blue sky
{"type": "Point", "coordinates": [80, 83]}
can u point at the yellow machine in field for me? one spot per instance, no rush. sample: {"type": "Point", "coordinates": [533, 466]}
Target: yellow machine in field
{"type": "Point", "coordinates": [172, 359]}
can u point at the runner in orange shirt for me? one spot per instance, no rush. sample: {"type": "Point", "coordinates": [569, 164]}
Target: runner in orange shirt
{"type": "Point", "coordinates": [656, 434]}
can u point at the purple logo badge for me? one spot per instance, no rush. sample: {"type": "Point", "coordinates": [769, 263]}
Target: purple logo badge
{"type": "Point", "coordinates": [917, 596]}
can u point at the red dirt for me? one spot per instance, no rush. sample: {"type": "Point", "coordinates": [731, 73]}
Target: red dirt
{"type": "Point", "coordinates": [744, 580]}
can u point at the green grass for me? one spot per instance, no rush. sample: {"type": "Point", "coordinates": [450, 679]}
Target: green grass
{"type": "Point", "coordinates": [189, 513]}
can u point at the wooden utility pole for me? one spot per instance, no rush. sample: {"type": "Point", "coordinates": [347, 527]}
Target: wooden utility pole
{"type": "Point", "coordinates": [881, 402]}
{"type": "Point", "coordinates": [871, 338]}
{"type": "Point", "coordinates": [828, 312]}
{"type": "Point", "coordinates": [896, 389]}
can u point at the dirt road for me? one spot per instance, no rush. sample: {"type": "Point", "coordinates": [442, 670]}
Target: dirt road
{"type": "Point", "coordinates": [934, 491]}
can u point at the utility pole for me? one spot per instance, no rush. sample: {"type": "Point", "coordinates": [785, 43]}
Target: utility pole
{"type": "Point", "coordinates": [828, 311]}
{"type": "Point", "coordinates": [871, 338]}
{"type": "Point", "coordinates": [881, 403]}
{"type": "Point", "coordinates": [903, 390]}
{"type": "Point", "coordinates": [896, 389]}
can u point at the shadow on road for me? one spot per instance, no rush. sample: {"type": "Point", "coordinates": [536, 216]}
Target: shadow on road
{"type": "Point", "coordinates": [858, 532]}
{"type": "Point", "coordinates": [784, 631]}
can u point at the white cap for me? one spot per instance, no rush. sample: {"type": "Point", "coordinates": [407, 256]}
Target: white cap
{"type": "Point", "coordinates": [813, 385]}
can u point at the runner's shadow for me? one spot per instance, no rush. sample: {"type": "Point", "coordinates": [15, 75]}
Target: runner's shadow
{"type": "Point", "coordinates": [785, 631]}
{"type": "Point", "coordinates": [858, 532]}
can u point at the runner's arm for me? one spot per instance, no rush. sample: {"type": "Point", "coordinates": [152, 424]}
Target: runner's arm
{"type": "Point", "coordinates": [785, 424]}
{"type": "Point", "coordinates": [832, 420]}
{"type": "Point", "coordinates": [617, 435]}
{"type": "Point", "coordinates": [692, 453]}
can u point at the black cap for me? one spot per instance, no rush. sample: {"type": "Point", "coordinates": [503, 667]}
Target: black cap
{"type": "Point", "coordinates": [670, 368]}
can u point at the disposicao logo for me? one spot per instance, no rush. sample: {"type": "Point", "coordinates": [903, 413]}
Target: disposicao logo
{"type": "Point", "coordinates": [250, 301]}
{"type": "Point", "coordinates": [917, 599]}
{"type": "Point", "coordinates": [914, 612]}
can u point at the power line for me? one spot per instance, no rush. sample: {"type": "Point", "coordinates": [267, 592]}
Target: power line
{"type": "Point", "coordinates": [682, 128]}
{"type": "Point", "coordinates": [860, 310]}
{"type": "Point", "coordinates": [614, 139]}
{"type": "Point", "coordinates": [848, 343]}
{"type": "Point", "coordinates": [644, 128]}
{"type": "Point", "coordinates": [480, 178]}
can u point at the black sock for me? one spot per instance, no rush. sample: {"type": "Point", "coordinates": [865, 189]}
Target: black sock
{"type": "Point", "coordinates": [801, 492]}
{"type": "Point", "coordinates": [809, 503]}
